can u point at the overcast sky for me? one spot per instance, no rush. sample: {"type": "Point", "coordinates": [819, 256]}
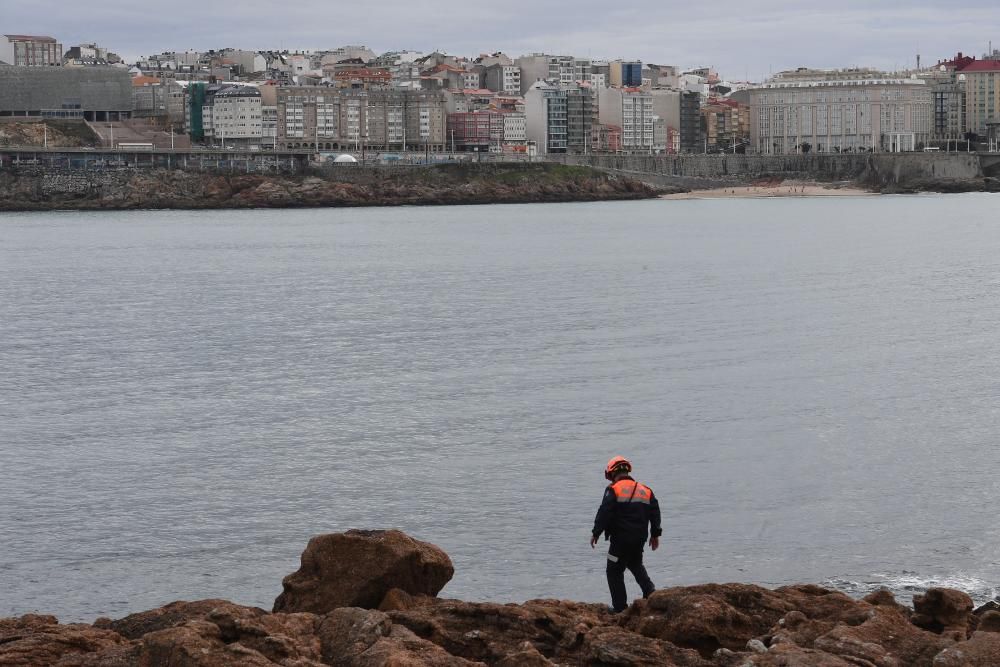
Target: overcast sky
{"type": "Point", "coordinates": [740, 39]}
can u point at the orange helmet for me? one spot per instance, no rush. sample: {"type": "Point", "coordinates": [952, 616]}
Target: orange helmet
{"type": "Point", "coordinates": [616, 466]}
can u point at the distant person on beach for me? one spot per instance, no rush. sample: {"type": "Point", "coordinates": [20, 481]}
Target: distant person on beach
{"type": "Point", "coordinates": [626, 511]}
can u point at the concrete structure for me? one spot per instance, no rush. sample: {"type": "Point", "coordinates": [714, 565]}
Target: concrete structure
{"type": "Point", "coordinates": [692, 137]}
{"type": "Point", "coordinates": [91, 93]}
{"type": "Point", "coordinates": [503, 79]}
{"type": "Point", "coordinates": [625, 73]}
{"type": "Point", "coordinates": [727, 126]}
{"type": "Point", "coordinates": [840, 111]}
{"type": "Point", "coordinates": [30, 51]}
{"type": "Point", "coordinates": [542, 67]}
{"type": "Point", "coordinates": [324, 118]}
{"type": "Point", "coordinates": [480, 131]}
{"type": "Point", "coordinates": [631, 109]}
{"type": "Point", "coordinates": [158, 98]}
{"type": "Point", "coordinates": [559, 118]}
{"type": "Point", "coordinates": [982, 89]}
{"type": "Point", "coordinates": [237, 117]}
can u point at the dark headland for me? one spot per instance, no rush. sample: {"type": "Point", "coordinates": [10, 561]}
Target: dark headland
{"type": "Point", "coordinates": [369, 598]}
{"type": "Point", "coordinates": [33, 187]}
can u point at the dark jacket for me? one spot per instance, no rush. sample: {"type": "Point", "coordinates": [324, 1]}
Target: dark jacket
{"type": "Point", "coordinates": [626, 510]}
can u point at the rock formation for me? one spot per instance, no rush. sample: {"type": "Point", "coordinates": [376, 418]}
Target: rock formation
{"type": "Point", "coordinates": [368, 598]}
{"type": "Point", "coordinates": [29, 188]}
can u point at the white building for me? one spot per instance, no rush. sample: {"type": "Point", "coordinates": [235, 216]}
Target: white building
{"type": "Point", "coordinates": [236, 116]}
{"type": "Point", "coordinates": [514, 128]}
{"type": "Point", "coordinates": [631, 109]}
{"type": "Point", "coordinates": [840, 111]}
{"type": "Point", "coordinates": [30, 51]}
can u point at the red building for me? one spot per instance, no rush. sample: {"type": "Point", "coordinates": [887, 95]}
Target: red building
{"type": "Point", "coordinates": [476, 130]}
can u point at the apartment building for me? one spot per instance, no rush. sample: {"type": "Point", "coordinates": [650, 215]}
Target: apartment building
{"type": "Point", "coordinates": [840, 111]}
{"type": "Point", "coordinates": [726, 124]}
{"type": "Point", "coordinates": [30, 51]}
{"type": "Point", "coordinates": [236, 117]}
{"type": "Point", "coordinates": [631, 109]}
{"type": "Point", "coordinates": [158, 98]}
{"type": "Point", "coordinates": [692, 138]}
{"type": "Point", "coordinates": [982, 91]}
{"type": "Point", "coordinates": [559, 118]}
{"type": "Point", "coordinates": [625, 73]}
{"type": "Point", "coordinates": [541, 67]}
{"type": "Point", "coordinates": [503, 79]}
{"type": "Point", "coordinates": [323, 118]}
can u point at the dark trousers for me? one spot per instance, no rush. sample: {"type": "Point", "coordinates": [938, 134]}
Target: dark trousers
{"type": "Point", "coordinates": [621, 558]}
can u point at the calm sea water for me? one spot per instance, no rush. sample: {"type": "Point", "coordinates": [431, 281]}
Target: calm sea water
{"type": "Point", "coordinates": [811, 386]}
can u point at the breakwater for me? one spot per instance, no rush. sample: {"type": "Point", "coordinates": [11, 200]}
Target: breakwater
{"type": "Point", "coordinates": [881, 171]}
{"type": "Point", "coordinates": [37, 187]}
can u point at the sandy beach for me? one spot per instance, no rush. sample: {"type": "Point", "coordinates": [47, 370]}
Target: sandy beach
{"type": "Point", "coordinates": [786, 189]}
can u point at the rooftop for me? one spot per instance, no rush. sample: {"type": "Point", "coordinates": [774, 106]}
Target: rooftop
{"type": "Point", "coordinates": [30, 38]}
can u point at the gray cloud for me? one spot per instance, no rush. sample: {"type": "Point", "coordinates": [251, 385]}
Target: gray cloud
{"type": "Point", "coordinates": [740, 39]}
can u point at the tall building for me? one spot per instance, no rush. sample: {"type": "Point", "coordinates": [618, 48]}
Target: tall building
{"type": "Point", "coordinates": [625, 73]}
{"type": "Point", "coordinates": [982, 91]}
{"type": "Point", "coordinates": [727, 125]}
{"type": "Point", "coordinates": [692, 138]}
{"type": "Point", "coordinates": [30, 51]}
{"type": "Point", "coordinates": [542, 67]}
{"type": "Point", "coordinates": [840, 111]}
{"type": "Point", "coordinates": [237, 116]}
{"type": "Point", "coordinates": [503, 79]}
{"type": "Point", "coordinates": [323, 118]}
{"type": "Point", "coordinates": [558, 117]}
{"type": "Point", "coordinates": [631, 109]}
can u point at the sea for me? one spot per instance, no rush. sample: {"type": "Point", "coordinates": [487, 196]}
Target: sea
{"type": "Point", "coordinates": [811, 387]}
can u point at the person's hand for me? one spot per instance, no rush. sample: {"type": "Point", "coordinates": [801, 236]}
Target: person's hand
{"type": "Point", "coordinates": [654, 542]}
{"type": "Point", "coordinates": [593, 541]}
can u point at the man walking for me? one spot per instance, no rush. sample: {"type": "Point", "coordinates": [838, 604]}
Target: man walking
{"type": "Point", "coordinates": [625, 511]}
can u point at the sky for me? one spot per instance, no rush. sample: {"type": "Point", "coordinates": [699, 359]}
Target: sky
{"type": "Point", "coordinates": [741, 39]}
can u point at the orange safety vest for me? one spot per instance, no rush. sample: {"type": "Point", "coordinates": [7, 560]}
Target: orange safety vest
{"type": "Point", "coordinates": [630, 491]}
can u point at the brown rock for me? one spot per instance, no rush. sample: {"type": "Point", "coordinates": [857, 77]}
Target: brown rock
{"type": "Point", "coordinates": [358, 568]}
{"type": "Point", "coordinates": [525, 655]}
{"type": "Point", "coordinates": [40, 641]}
{"type": "Point", "coordinates": [886, 639]}
{"type": "Point", "coordinates": [982, 650]}
{"type": "Point", "coordinates": [989, 622]}
{"type": "Point", "coordinates": [709, 616]}
{"type": "Point", "coordinates": [400, 600]}
{"type": "Point", "coordinates": [616, 646]}
{"type": "Point", "coordinates": [135, 626]}
{"type": "Point", "coordinates": [943, 610]}
{"type": "Point", "coordinates": [487, 631]}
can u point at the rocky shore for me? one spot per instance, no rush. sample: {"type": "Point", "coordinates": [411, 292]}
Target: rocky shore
{"type": "Point", "coordinates": [31, 188]}
{"type": "Point", "coordinates": [369, 598]}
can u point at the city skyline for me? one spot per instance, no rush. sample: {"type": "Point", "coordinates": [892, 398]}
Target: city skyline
{"type": "Point", "coordinates": [771, 38]}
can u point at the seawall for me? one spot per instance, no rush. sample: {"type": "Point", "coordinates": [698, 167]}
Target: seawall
{"type": "Point", "coordinates": [881, 171]}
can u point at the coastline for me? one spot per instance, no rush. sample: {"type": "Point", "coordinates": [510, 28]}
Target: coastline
{"type": "Point", "coordinates": [39, 189]}
{"type": "Point", "coordinates": [370, 597]}
{"type": "Point", "coordinates": [774, 189]}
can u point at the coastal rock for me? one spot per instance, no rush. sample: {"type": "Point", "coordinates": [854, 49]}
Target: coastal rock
{"type": "Point", "coordinates": [989, 622]}
{"type": "Point", "coordinates": [135, 626]}
{"type": "Point", "coordinates": [358, 568]}
{"type": "Point", "coordinates": [616, 646]}
{"type": "Point", "coordinates": [944, 611]}
{"type": "Point", "coordinates": [40, 641]}
{"type": "Point", "coordinates": [982, 650]}
{"type": "Point", "coordinates": [886, 639]}
{"type": "Point", "coordinates": [486, 631]}
{"type": "Point", "coordinates": [711, 625]}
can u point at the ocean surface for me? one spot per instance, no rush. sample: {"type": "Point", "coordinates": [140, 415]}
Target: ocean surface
{"type": "Point", "coordinates": [810, 386]}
